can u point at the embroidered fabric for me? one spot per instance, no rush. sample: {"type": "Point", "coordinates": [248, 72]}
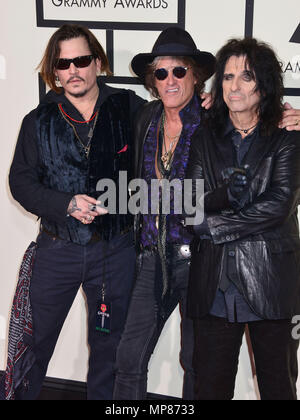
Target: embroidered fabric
{"type": "Point", "coordinates": [20, 339]}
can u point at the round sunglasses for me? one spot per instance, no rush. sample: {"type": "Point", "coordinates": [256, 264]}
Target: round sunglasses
{"type": "Point", "coordinates": [79, 62]}
{"type": "Point", "coordinates": [179, 72]}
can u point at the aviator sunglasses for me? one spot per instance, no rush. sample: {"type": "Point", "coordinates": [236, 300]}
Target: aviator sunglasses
{"type": "Point", "coordinates": [179, 72]}
{"type": "Point", "coordinates": [79, 62]}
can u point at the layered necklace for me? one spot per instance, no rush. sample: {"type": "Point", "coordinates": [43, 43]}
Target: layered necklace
{"type": "Point", "coordinates": [167, 154]}
{"type": "Point", "coordinates": [68, 119]}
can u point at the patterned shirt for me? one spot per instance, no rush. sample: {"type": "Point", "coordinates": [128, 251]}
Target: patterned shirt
{"type": "Point", "coordinates": [176, 233]}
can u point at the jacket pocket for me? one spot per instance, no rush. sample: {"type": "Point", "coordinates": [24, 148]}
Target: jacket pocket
{"type": "Point", "coordinates": [269, 275]}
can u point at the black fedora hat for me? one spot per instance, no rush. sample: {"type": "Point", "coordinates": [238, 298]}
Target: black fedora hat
{"type": "Point", "coordinates": [174, 42]}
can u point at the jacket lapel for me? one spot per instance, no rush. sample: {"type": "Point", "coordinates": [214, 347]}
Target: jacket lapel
{"type": "Point", "coordinates": [141, 132]}
{"type": "Point", "coordinates": [220, 155]}
{"type": "Point", "coordinates": [257, 152]}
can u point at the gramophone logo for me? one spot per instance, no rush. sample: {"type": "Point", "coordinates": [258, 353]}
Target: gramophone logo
{"type": "Point", "coordinates": [292, 67]}
{"type": "Point", "coordinates": [296, 37]}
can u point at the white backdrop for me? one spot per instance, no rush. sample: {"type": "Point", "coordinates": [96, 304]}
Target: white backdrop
{"type": "Point", "coordinates": [211, 23]}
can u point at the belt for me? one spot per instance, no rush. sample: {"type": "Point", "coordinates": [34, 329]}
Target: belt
{"type": "Point", "coordinates": [96, 236]}
{"type": "Point", "coordinates": [43, 230]}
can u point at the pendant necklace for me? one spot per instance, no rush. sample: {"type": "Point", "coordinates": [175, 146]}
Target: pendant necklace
{"type": "Point", "coordinates": [86, 147]}
{"type": "Point", "coordinates": [246, 130]}
{"type": "Point", "coordinates": [167, 156]}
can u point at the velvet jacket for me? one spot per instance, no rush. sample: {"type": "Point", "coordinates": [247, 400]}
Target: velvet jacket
{"type": "Point", "coordinates": [49, 171]}
{"type": "Point", "coordinates": [264, 234]}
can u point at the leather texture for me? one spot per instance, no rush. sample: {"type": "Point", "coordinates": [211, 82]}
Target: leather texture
{"type": "Point", "coordinates": [264, 234]}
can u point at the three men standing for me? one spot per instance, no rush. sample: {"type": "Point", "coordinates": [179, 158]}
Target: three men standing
{"type": "Point", "coordinates": [83, 133]}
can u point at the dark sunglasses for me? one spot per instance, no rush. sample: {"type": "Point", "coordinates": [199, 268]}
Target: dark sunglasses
{"type": "Point", "coordinates": [79, 62]}
{"type": "Point", "coordinates": [179, 72]}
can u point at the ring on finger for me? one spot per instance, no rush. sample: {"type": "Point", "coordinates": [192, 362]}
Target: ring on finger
{"type": "Point", "coordinates": [92, 207]}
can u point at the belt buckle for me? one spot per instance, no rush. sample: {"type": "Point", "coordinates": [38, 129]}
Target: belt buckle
{"type": "Point", "coordinates": [185, 251]}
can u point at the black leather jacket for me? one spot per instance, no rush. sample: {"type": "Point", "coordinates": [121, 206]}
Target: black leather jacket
{"type": "Point", "coordinates": [264, 234]}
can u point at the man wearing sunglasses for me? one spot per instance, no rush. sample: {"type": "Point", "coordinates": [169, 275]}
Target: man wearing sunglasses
{"type": "Point", "coordinates": [174, 73]}
{"type": "Point", "coordinates": [79, 134]}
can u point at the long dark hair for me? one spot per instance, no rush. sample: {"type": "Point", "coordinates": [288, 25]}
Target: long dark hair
{"type": "Point", "coordinates": [263, 63]}
{"type": "Point", "coordinates": [65, 33]}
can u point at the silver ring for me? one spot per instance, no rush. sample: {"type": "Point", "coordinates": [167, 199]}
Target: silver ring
{"type": "Point", "coordinates": [93, 207]}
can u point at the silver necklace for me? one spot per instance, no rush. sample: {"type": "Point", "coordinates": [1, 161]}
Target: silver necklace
{"type": "Point", "coordinates": [86, 147]}
{"type": "Point", "coordinates": [168, 154]}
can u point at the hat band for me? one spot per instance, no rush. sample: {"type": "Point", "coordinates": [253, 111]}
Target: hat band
{"type": "Point", "coordinates": [174, 48]}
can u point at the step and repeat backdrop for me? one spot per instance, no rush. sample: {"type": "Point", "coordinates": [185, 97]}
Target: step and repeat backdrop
{"type": "Point", "coordinates": [124, 28]}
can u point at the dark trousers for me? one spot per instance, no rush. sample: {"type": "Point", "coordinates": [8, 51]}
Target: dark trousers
{"type": "Point", "coordinates": [60, 268]}
{"type": "Point", "coordinates": [143, 328]}
{"type": "Point", "coordinates": [217, 348]}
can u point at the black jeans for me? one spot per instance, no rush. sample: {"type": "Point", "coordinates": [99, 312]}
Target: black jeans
{"type": "Point", "coordinates": [142, 331]}
{"type": "Point", "coordinates": [217, 348]}
{"type": "Point", "coordinates": [60, 268]}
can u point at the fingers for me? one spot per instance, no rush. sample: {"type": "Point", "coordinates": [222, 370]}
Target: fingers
{"type": "Point", "coordinates": [207, 100]}
{"type": "Point", "coordinates": [101, 211]}
{"type": "Point", "coordinates": [293, 127]}
{"type": "Point", "coordinates": [85, 208]}
{"type": "Point", "coordinates": [290, 124]}
{"type": "Point", "coordinates": [87, 220]}
{"type": "Point", "coordinates": [240, 180]}
{"type": "Point", "coordinates": [291, 118]}
{"type": "Point", "coordinates": [89, 199]}
{"type": "Point", "coordinates": [291, 113]}
{"type": "Point", "coordinates": [287, 106]}
{"type": "Point", "coordinates": [226, 173]}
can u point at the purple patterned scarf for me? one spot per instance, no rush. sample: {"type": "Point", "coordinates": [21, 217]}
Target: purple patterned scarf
{"type": "Point", "coordinates": [20, 355]}
{"type": "Point", "coordinates": [190, 117]}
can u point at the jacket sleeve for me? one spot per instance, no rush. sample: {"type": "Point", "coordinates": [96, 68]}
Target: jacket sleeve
{"type": "Point", "coordinates": [142, 122]}
{"type": "Point", "coordinates": [24, 180]}
{"type": "Point", "coordinates": [136, 103]}
{"type": "Point", "coordinates": [214, 200]}
{"type": "Point", "coordinates": [274, 206]}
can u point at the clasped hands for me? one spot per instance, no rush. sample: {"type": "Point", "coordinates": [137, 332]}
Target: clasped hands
{"type": "Point", "coordinates": [85, 208]}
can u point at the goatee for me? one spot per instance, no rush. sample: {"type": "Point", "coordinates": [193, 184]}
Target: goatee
{"type": "Point", "coordinates": [78, 95]}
